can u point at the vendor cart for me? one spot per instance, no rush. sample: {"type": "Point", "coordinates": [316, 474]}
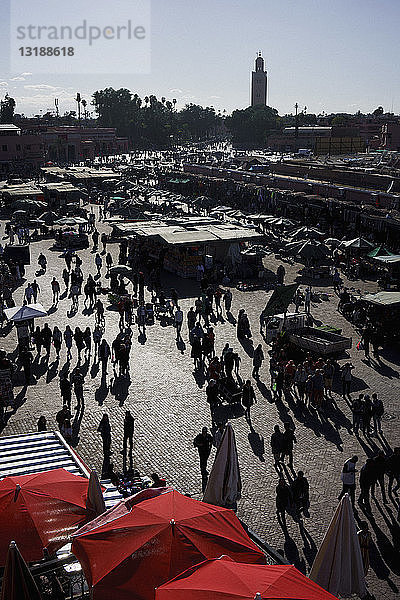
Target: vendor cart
{"type": "Point", "coordinates": [71, 239]}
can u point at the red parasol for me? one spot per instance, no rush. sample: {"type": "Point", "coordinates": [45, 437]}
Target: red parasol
{"type": "Point", "coordinates": [224, 579]}
{"type": "Point", "coordinates": [40, 510]}
{"type": "Point", "coordinates": [129, 556]}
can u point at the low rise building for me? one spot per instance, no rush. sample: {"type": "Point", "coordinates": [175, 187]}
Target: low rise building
{"type": "Point", "coordinates": [68, 144]}
{"type": "Point", "coordinates": [19, 152]}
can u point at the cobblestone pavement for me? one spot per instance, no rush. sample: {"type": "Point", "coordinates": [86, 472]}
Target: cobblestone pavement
{"type": "Point", "coordinates": [170, 408]}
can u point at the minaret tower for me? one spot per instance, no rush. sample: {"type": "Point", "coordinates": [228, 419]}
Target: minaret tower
{"type": "Point", "coordinates": [259, 83]}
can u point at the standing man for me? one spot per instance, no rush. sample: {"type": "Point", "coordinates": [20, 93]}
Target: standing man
{"type": "Point", "coordinates": [348, 478]}
{"type": "Point", "coordinates": [203, 442]}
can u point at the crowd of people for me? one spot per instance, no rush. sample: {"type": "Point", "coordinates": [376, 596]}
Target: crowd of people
{"type": "Point", "coordinates": [316, 384]}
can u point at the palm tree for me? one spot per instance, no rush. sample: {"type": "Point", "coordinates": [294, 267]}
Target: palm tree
{"type": "Point", "coordinates": [84, 104]}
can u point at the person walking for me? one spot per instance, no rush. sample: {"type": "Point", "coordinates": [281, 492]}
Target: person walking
{"type": "Point", "coordinates": [37, 340]}
{"type": "Point", "coordinates": [393, 470]}
{"type": "Point", "coordinates": [42, 262]}
{"type": "Point", "coordinates": [289, 439]}
{"type": "Point", "coordinates": [196, 352]}
{"type": "Point", "coordinates": [65, 276]}
{"type": "Point", "coordinates": [36, 290]}
{"type": "Point", "coordinates": [63, 413]}
{"type": "Point", "coordinates": [365, 540]}
{"type": "Point", "coordinates": [307, 301]}
{"type": "Point", "coordinates": [57, 340]}
{"type": "Point", "coordinates": [357, 410]}
{"type": "Point", "coordinates": [28, 293]}
{"type": "Point", "coordinates": [77, 380]}
{"type": "Point", "coordinates": [203, 442]}
{"type": "Point", "coordinates": [300, 378]}
{"type": "Point", "coordinates": [279, 382]}
{"type": "Point", "coordinates": [74, 295]}
{"type": "Point", "coordinates": [329, 371]}
{"type": "Point", "coordinates": [258, 358]}
{"type": "Point", "coordinates": [97, 335]}
{"type": "Point", "coordinates": [68, 339]}
{"type": "Point", "coordinates": [178, 320]}
{"type": "Point", "coordinates": [66, 390]}
{"type": "Point", "coordinates": [87, 340]}
{"type": "Point", "coordinates": [348, 477]}
{"type": "Point", "coordinates": [367, 475]}
{"type": "Point", "coordinates": [46, 338]}
{"type": "Point", "coordinates": [95, 239]}
{"type": "Point", "coordinates": [26, 361]}
{"type": "Point", "coordinates": [109, 262]}
{"type": "Point", "coordinates": [98, 261]}
{"type": "Point", "coordinates": [379, 475]}
{"type": "Point", "coordinates": [378, 411]}
{"type": "Point", "coordinates": [129, 428]}
{"type": "Point", "coordinates": [283, 499]}
{"type": "Point", "coordinates": [367, 415]}
{"type": "Point", "coordinates": [191, 319]}
{"type": "Point", "coordinates": [277, 446]}
{"type": "Point", "coordinates": [55, 288]}
{"type": "Point", "coordinates": [78, 338]}
{"type": "Point", "coordinates": [346, 379]}
{"type": "Point", "coordinates": [104, 355]}
{"type": "Point", "coordinates": [300, 489]}
{"type": "Point", "coordinates": [141, 318]}
{"type": "Point", "coordinates": [104, 240]}
{"type": "Point", "coordinates": [248, 399]}
{"type": "Point", "coordinates": [104, 429]}
{"type": "Point", "coordinates": [212, 398]}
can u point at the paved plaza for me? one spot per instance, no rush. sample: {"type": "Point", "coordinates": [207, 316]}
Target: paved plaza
{"type": "Point", "coordinates": [170, 408]}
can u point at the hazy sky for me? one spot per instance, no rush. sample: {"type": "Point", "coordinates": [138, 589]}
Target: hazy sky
{"type": "Point", "coordinates": [328, 55]}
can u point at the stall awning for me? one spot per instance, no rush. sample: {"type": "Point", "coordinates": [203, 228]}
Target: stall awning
{"type": "Point", "coordinates": [388, 260]}
{"type": "Point", "coordinates": [383, 298]}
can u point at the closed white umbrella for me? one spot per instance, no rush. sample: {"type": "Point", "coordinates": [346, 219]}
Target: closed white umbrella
{"type": "Point", "coordinates": [224, 485]}
{"type": "Point", "coordinates": [338, 566]}
{"type": "Point", "coordinates": [95, 504]}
